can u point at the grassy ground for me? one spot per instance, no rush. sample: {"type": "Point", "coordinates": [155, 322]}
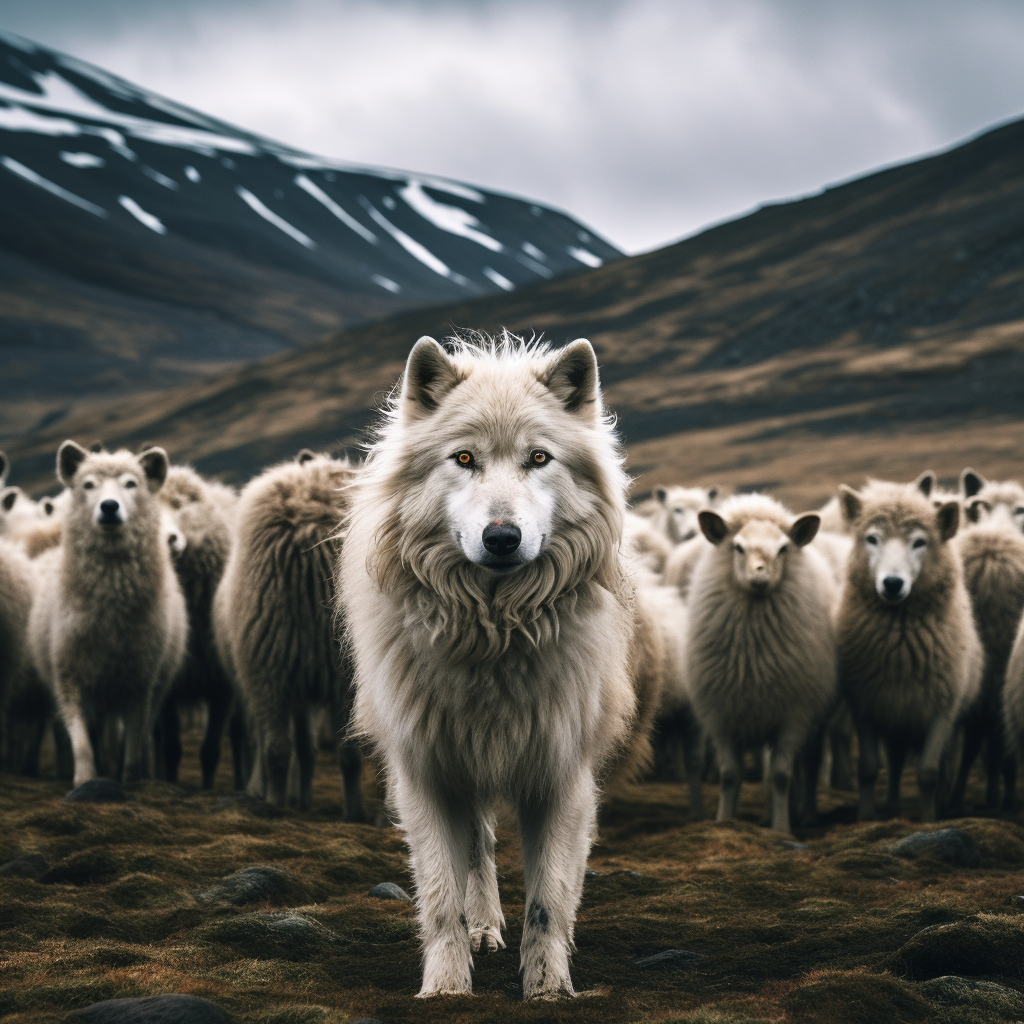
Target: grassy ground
{"type": "Point", "coordinates": [827, 933]}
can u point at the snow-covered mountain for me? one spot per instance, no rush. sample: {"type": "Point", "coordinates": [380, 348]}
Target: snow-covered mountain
{"type": "Point", "coordinates": [141, 240]}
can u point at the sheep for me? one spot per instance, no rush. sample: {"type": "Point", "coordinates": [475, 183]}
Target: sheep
{"type": "Point", "coordinates": [200, 537]}
{"type": "Point", "coordinates": [650, 546]}
{"type": "Point", "coordinates": [16, 593]}
{"type": "Point", "coordinates": [992, 494]}
{"type": "Point", "coordinates": [992, 555]}
{"type": "Point", "coordinates": [761, 644]}
{"type": "Point", "coordinates": [273, 622]}
{"type": "Point", "coordinates": [673, 510]}
{"type": "Point", "coordinates": [19, 514]}
{"type": "Point", "coordinates": [1013, 709]}
{"type": "Point", "coordinates": [109, 626]}
{"type": "Point", "coordinates": [910, 660]}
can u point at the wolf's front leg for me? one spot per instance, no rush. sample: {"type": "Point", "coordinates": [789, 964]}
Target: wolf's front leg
{"type": "Point", "coordinates": [438, 832]}
{"type": "Point", "coordinates": [483, 907]}
{"type": "Point", "coordinates": [556, 830]}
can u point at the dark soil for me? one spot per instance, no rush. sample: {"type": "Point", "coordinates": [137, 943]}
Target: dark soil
{"type": "Point", "coordinates": [180, 891]}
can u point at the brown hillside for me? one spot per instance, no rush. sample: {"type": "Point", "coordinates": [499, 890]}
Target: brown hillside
{"type": "Point", "coordinates": [876, 327]}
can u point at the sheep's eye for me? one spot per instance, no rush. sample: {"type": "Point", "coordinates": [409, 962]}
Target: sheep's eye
{"type": "Point", "coordinates": [539, 457]}
{"type": "Point", "coordinates": [783, 549]}
{"type": "Point", "coordinates": [1019, 510]}
{"type": "Point", "coordinates": [131, 483]}
{"type": "Point", "coordinates": [738, 548]}
{"type": "Point", "coordinates": [919, 543]}
{"type": "Point", "coordinates": [872, 540]}
{"type": "Point", "coordinates": [464, 459]}
{"type": "Point", "coordinates": [88, 485]}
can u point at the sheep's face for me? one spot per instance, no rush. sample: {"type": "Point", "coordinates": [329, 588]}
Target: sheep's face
{"type": "Point", "coordinates": [682, 504]}
{"type": "Point", "coordinates": [1002, 503]}
{"type": "Point", "coordinates": [896, 555]}
{"type": "Point", "coordinates": [759, 548]}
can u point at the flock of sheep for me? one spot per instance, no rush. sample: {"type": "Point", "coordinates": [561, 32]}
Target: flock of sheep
{"type": "Point", "coordinates": [894, 613]}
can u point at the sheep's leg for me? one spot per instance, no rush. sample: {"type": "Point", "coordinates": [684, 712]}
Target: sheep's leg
{"type": "Point", "coordinates": [483, 907]}
{"type": "Point", "coordinates": [81, 744]}
{"type": "Point", "coordinates": [241, 748]}
{"type": "Point", "coordinates": [556, 831]}
{"type": "Point", "coordinates": [809, 760]}
{"type": "Point", "coordinates": [780, 778]}
{"type": "Point", "coordinates": [219, 706]}
{"type": "Point", "coordinates": [693, 756]}
{"type": "Point", "coordinates": [896, 758]}
{"type": "Point", "coordinates": [305, 754]}
{"type": "Point", "coordinates": [350, 759]}
{"type": "Point", "coordinates": [930, 765]}
{"type": "Point", "coordinates": [438, 832]}
{"type": "Point", "coordinates": [276, 747]}
{"type": "Point", "coordinates": [840, 738]}
{"type": "Point", "coordinates": [867, 772]}
{"type": "Point", "coordinates": [136, 743]}
{"type": "Point", "coordinates": [974, 736]}
{"type": "Point", "coordinates": [730, 760]}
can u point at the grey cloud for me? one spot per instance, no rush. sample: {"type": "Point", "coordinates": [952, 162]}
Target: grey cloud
{"type": "Point", "coordinates": [647, 118]}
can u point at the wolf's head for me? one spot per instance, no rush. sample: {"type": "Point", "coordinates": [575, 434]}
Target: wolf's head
{"type": "Point", "coordinates": [498, 479]}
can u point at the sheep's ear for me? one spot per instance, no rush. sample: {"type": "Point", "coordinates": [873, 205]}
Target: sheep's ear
{"type": "Point", "coordinates": [429, 375]}
{"type": "Point", "coordinates": [154, 464]}
{"type": "Point", "coordinates": [975, 509]}
{"type": "Point", "coordinates": [713, 526]}
{"type": "Point", "coordinates": [304, 456]}
{"type": "Point", "coordinates": [971, 483]}
{"type": "Point", "coordinates": [804, 530]}
{"type": "Point", "coordinates": [925, 482]}
{"type": "Point", "coordinates": [572, 378]}
{"type": "Point", "coordinates": [69, 457]}
{"type": "Point", "coordinates": [850, 503]}
{"type": "Point", "coordinates": [661, 494]}
{"type": "Point", "coordinates": [10, 496]}
{"type": "Point", "coordinates": [5, 467]}
{"type": "Point", "coordinates": [947, 519]}
{"type": "Point", "coordinates": [712, 493]}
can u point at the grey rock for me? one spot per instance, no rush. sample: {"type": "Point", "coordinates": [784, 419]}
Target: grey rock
{"type": "Point", "coordinates": [248, 885]}
{"type": "Point", "coordinates": [671, 958]}
{"type": "Point", "coordinates": [287, 935]}
{"type": "Point", "coordinates": [789, 844]}
{"type": "Point", "coordinates": [29, 865]}
{"type": "Point", "coordinates": [98, 791]}
{"type": "Point", "coordinates": [389, 891]}
{"type": "Point", "coordinates": [952, 990]}
{"type": "Point", "coordinates": [949, 845]}
{"type": "Point", "coordinates": [165, 1009]}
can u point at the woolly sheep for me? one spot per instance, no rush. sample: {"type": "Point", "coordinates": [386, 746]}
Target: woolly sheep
{"type": "Point", "coordinates": [910, 660]}
{"type": "Point", "coordinates": [761, 644]}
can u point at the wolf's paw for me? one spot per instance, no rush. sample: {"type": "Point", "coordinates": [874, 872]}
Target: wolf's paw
{"type": "Point", "coordinates": [486, 938]}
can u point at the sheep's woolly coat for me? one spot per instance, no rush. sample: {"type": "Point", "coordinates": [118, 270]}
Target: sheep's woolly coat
{"type": "Point", "coordinates": [1013, 698]}
{"type": "Point", "coordinates": [16, 591]}
{"type": "Point", "coordinates": [902, 666]}
{"type": "Point", "coordinates": [109, 627]}
{"type": "Point", "coordinates": [761, 665]}
{"type": "Point", "coordinates": [273, 614]}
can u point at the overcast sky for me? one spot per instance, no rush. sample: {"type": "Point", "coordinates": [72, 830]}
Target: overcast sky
{"type": "Point", "coordinates": [648, 119]}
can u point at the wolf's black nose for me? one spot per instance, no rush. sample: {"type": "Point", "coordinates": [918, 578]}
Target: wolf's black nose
{"type": "Point", "coordinates": [893, 587]}
{"type": "Point", "coordinates": [502, 540]}
{"type": "Point", "coordinates": [109, 508]}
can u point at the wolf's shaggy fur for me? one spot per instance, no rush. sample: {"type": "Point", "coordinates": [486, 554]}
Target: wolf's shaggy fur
{"type": "Point", "coordinates": [109, 627]}
{"type": "Point", "coordinates": [992, 555]}
{"type": "Point", "coordinates": [198, 513]}
{"type": "Point", "coordinates": [273, 619]}
{"type": "Point", "coordinates": [650, 545]}
{"type": "Point", "coordinates": [761, 647]}
{"type": "Point", "coordinates": [478, 686]}
{"type": "Point", "coordinates": [908, 669]}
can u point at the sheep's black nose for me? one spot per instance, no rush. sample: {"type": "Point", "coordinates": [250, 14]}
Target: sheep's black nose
{"type": "Point", "coordinates": [502, 540]}
{"type": "Point", "coordinates": [109, 508]}
{"type": "Point", "coordinates": [893, 587]}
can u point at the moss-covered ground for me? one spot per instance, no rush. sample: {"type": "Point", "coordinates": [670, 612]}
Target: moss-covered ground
{"type": "Point", "coordinates": [833, 929]}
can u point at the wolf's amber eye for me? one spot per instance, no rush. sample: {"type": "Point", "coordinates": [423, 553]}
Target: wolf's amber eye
{"type": "Point", "coordinates": [539, 457]}
{"type": "Point", "coordinates": [464, 459]}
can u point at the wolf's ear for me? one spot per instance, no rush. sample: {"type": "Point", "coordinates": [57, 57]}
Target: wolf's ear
{"type": "Point", "coordinates": [971, 483]}
{"type": "Point", "coordinates": [5, 466]}
{"type": "Point", "coordinates": [572, 379]}
{"type": "Point", "coordinates": [804, 529]}
{"type": "Point", "coordinates": [947, 519]}
{"type": "Point", "coordinates": [925, 482]}
{"type": "Point", "coordinates": [713, 526]}
{"type": "Point", "coordinates": [155, 464]}
{"type": "Point", "coordinates": [661, 495]}
{"type": "Point", "coordinates": [429, 376]}
{"type": "Point", "coordinates": [850, 503]}
{"type": "Point", "coordinates": [69, 457]}
{"type": "Point", "coordinates": [10, 496]}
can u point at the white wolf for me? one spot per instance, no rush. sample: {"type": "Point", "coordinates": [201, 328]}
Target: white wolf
{"type": "Point", "coordinates": [495, 636]}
